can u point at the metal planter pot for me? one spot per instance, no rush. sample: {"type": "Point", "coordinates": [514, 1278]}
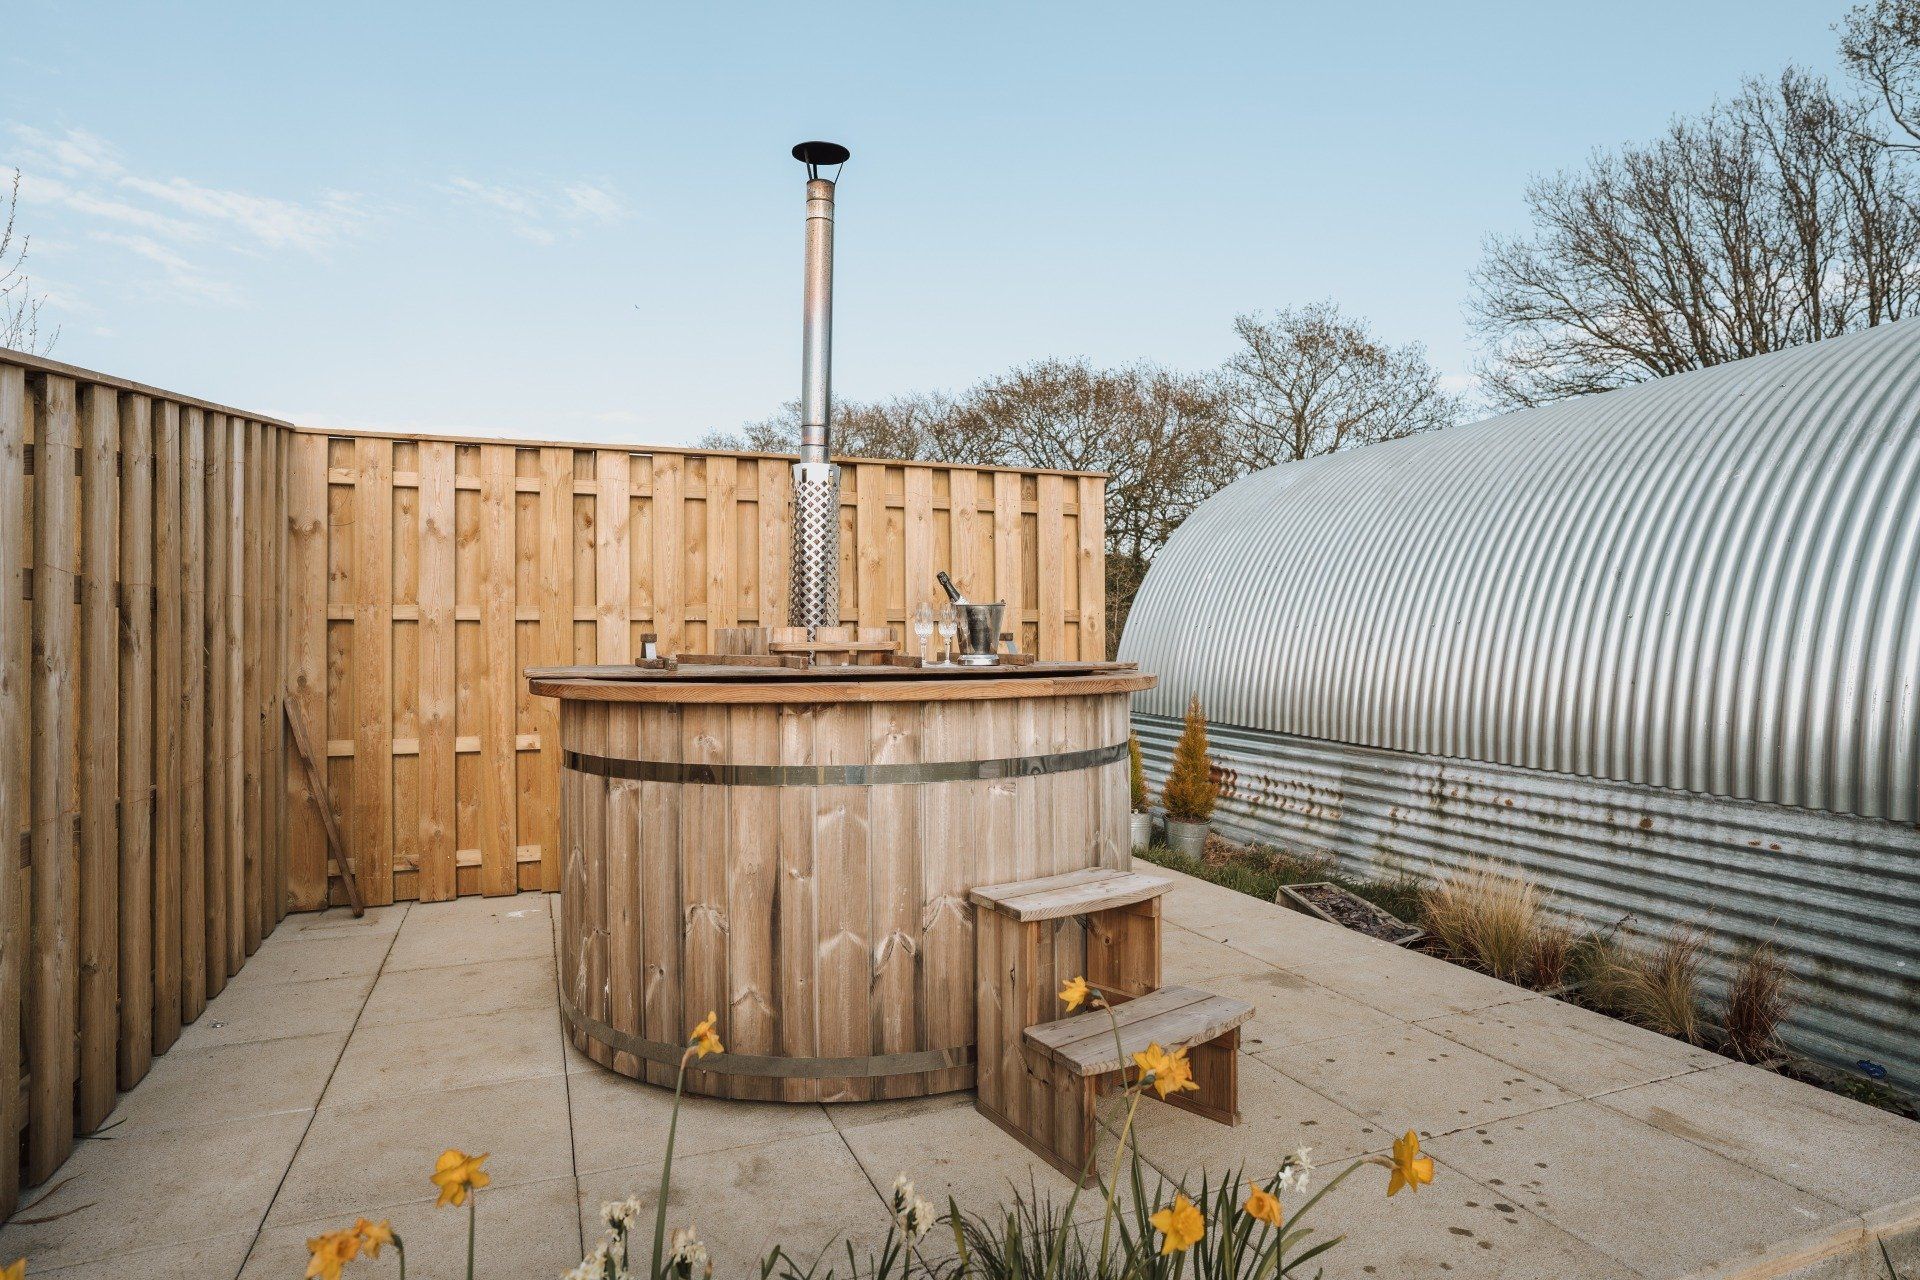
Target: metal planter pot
{"type": "Point", "coordinates": [1142, 823]}
{"type": "Point", "coordinates": [1188, 839]}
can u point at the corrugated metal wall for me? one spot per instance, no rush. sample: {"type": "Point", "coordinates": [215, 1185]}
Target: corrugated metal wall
{"type": "Point", "coordinates": [1839, 894]}
{"type": "Point", "coordinates": [1709, 582]}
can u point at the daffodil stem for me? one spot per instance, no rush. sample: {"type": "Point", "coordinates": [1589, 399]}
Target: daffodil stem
{"type": "Point", "coordinates": [666, 1169]}
{"type": "Point", "coordinates": [473, 1215]}
{"type": "Point", "coordinates": [401, 1251]}
{"type": "Point", "coordinates": [1120, 1151]}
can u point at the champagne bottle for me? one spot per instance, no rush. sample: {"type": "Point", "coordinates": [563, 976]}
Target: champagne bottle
{"type": "Point", "coordinates": [953, 592]}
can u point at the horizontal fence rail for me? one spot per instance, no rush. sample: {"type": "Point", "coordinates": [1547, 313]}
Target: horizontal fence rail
{"type": "Point", "coordinates": [425, 575]}
{"type": "Point", "coordinates": [141, 766]}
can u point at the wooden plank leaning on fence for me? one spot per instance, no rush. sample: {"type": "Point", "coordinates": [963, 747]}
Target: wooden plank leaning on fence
{"type": "Point", "coordinates": [323, 800]}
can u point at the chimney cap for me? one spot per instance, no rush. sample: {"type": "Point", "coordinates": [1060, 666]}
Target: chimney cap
{"type": "Point", "coordinates": [817, 154]}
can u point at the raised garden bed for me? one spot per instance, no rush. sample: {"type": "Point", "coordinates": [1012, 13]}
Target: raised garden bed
{"type": "Point", "coordinates": [1330, 902]}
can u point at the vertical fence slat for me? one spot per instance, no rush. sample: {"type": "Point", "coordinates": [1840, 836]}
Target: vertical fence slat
{"type": "Point", "coordinates": [1006, 549]}
{"type": "Point", "coordinates": [1053, 568]}
{"type": "Point", "coordinates": [194, 843]}
{"type": "Point", "coordinates": [723, 551]}
{"type": "Point", "coordinates": [99, 753]}
{"type": "Point", "coordinates": [52, 1036]}
{"type": "Point", "coordinates": [775, 489]}
{"type": "Point", "coordinates": [370, 833]}
{"type": "Point", "coordinates": [499, 865]}
{"type": "Point", "coordinates": [1093, 569]}
{"type": "Point", "coordinates": [274, 729]}
{"type": "Point", "coordinates": [869, 544]}
{"type": "Point", "coordinates": [436, 761]}
{"type": "Point", "coordinates": [612, 515]}
{"type": "Point", "coordinates": [240, 858]}
{"type": "Point", "coordinates": [253, 581]}
{"type": "Point", "coordinates": [168, 697]}
{"type": "Point", "coordinates": [555, 605]}
{"type": "Point", "coordinates": [918, 534]}
{"type": "Point", "coordinates": [306, 658]}
{"type": "Point", "coordinates": [213, 653]}
{"type": "Point", "coordinates": [669, 553]}
{"type": "Point", "coordinates": [15, 734]}
{"type": "Point", "coordinates": [136, 739]}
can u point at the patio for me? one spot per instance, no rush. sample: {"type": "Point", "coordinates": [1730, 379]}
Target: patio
{"type": "Point", "coordinates": [325, 1079]}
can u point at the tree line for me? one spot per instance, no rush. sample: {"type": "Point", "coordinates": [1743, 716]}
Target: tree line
{"type": "Point", "coordinates": [1784, 214]}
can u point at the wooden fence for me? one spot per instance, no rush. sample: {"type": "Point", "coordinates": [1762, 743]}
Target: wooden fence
{"type": "Point", "coordinates": [425, 574]}
{"type": "Point", "coordinates": [140, 763]}
{"type": "Point", "coordinates": [172, 571]}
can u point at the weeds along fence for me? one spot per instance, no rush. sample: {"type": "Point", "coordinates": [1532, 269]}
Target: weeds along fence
{"type": "Point", "coordinates": [172, 571]}
{"type": "Point", "coordinates": [423, 575]}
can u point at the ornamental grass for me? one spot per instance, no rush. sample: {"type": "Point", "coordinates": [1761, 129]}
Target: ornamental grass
{"type": "Point", "coordinates": [1241, 1227]}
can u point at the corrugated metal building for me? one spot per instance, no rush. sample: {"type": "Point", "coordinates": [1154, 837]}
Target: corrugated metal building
{"type": "Point", "coordinates": [1659, 647]}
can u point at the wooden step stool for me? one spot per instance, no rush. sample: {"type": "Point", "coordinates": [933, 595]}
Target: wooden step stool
{"type": "Point", "coordinates": [1030, 938]}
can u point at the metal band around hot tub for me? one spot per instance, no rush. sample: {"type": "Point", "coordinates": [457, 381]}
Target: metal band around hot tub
{"type": "Point", "coordinates": [748, 1064]}
{"type": "Point", "coordinates": [843, 775]}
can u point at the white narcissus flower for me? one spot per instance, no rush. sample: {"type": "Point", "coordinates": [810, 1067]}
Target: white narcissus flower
{"type": "Point", "coordinates": [902, 1198]}
{"type": "Point", "coordinates": [592, 1267]}
{"type": "Point", "coordinates": [689, 1256]}
{"type": "Point", "coordinates": [1295, 1170]}
{"type": "Point", "coordinates": [917, 1220]}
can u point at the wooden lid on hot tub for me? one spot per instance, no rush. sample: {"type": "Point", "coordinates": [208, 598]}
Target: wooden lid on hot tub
{"type": "Point", "coordinates": [689, 682]}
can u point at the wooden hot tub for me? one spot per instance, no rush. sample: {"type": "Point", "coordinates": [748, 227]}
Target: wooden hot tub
{"type": "Point", "coordinates": [793, 850]}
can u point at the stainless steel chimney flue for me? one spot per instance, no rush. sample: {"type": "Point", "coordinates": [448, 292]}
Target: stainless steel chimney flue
{"type": "Point", "coordinates": [814, 586]}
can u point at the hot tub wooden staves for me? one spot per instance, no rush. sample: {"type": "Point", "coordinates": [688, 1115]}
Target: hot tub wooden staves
{"type": "Point", "coordinates": [794, 855]}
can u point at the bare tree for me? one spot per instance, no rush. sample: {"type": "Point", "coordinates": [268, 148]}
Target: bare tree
{"type": "Point", "coordinates": [1881, 45]}
{"type": "Point", "coordinates": [907, 426]}
{"type": "Point", "coordinates": [19, 306]}
{"type": "Point", "coordinates": [1159, 435]}
{"type": "Point", "coordinates": [1769, 220]}
{"type": "Point", "coordinates": [1309, 380]}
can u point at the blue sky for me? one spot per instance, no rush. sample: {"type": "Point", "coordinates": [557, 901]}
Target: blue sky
{"type": "Point", "coordinates": [580, 221]}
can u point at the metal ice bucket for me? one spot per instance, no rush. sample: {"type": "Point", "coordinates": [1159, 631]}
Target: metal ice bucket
{"type": "Point", "coordinates": [977, 632]}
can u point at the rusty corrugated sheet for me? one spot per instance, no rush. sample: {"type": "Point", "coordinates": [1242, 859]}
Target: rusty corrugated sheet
{"type": "Point", "coordinates": [1838, 894]}
{"type": "Point", "coordinates": [1710, 582]}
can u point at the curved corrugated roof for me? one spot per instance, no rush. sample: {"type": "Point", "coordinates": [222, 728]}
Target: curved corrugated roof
{"type": "Point", "coordinates": [1709, 582]}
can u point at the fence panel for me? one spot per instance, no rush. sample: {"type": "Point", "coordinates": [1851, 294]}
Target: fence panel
{"type": "Point", "coordinates": [424, 575]}
{"type": "Point", "coordinates": [108, 639]}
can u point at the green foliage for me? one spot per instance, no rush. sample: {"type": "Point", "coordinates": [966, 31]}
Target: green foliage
{"type": "Point", "coordinates": [1190, 791]}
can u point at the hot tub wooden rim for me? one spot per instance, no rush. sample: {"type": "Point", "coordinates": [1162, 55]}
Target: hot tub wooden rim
{"type": "Point", "coordinates": [822, 692]}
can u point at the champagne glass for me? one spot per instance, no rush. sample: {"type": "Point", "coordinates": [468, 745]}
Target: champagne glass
{"type": "Point", "coordinates": [923, 626]}
{"type": "Point", "coordinates": [949, 622]}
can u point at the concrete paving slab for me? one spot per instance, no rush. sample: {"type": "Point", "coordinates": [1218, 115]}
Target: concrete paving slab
{"type": "Point", "coordinates": [1452, 1227]}
{"type": "Point", "coordinates": [619, 1122]}
{"type": "Point", "coordinates": [175, 1186]}
{"type": "Point", "coordinates": [341, 922]}
{"type": "Point", "coordinates": [219, 1256]}
{"type": "Point", "coordinates": [1658, 1203]}
{"type": "Point", "coordinates": [525, 1231]}
{"type": "Point", "coordinates": [324, 955]}
{"type": "Point", "coordinates": [851, 1115]}
{"type": "Point", "coordinates": [1582, 1051]}
{"type": "Point", "coordinates": [249, 1011]}
{"type": "Point", "coordinates": [383, 1153]}
{"type": "Point", "coordinates": [1409, 1078]}
{"type": "Point", "coordinates": [1411, 986]}
{"type": "Point", "coordinates": [1192, 960]}
{"type": "Point", "coordinates": [473, 931]}
{"type": "Point", "coordinates": [227, 1082]}
{"type": "Point", "coordinates": [446, 1053]}
{"type": "Point", "coordinates": [1833, 1147]}
{"type": "Point", "coordinates": [805, 1194]}
{"type": "Point", "coordinates": [1278, 1115]}
{"type": "Point", "coordinates": [1290, 1009]}
{"type": "Point", "coordinates": [424, 995]}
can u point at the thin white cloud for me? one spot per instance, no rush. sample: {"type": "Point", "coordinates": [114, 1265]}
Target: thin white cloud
{"type": "Point", "coordinates": [543, 214]}
{"type": "Point", "coordinates": [170, 222]}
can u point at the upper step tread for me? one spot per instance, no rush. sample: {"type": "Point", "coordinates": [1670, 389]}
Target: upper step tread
{"type": "Point", "coordinates": [1071, 894]}
{"type": "Point", "coordinates": [1170, 1017]}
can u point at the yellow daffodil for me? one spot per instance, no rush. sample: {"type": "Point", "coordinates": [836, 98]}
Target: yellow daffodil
{"type": "Point", "coordinates": [1263, 1206]}
{"type": "Point", "coordinates": [1166, 1072]}
{"type": "Point", "coordinates": [1074, 994]}
{"type": "Point", "coordinates": [373, 1235]}
{"type": "Point", "coordinates": [331, 1252]}
{"type": "Point", "coordinates": [15, 1270]}
{"type": "Point", "coordinates": [1410, 1168]}
{"type": "Point", "coordinates": [457, 1173]}
{"type": "Point", "coordinates": [704, 1041]}
{"type": "Point", "coordinates": [1181, 1224]}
